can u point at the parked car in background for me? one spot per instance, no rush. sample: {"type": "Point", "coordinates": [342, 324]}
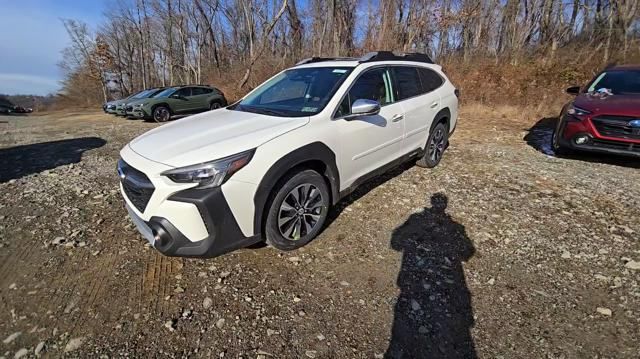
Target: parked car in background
{"type": "Point", "coordinates": [177, 100]}
{"type": "Point", "coordinates": [8, 107]}
{"type": "Point", "coordinates": [5, 109]}
{"type": "Point", "coordinates": [121, 107]}
{"type": "Point", "coordinates": [605, 115]}
{"type": "Point", "coordinates": [111, 106]}
{"type": "Point", "coordinates": [271, 165]}
{"type": "Point", "coordinates": [20, 109]}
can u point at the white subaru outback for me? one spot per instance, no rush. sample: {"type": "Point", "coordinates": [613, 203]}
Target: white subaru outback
{"type": "Point", "coordinates": [271, 165]}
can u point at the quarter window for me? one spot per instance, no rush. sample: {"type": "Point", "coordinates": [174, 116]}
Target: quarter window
{"type": "Point", "coordinates": [430, 80]}
{"type": "Point", "coordinates": [200, 91]}
{"type": "Point", "coordinates": [407, 81]}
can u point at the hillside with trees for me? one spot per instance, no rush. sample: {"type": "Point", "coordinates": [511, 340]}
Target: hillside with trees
{"type": "Point", "coordinates": [495, 51]}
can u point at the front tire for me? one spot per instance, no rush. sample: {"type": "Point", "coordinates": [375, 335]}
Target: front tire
{"type": "Point", "coordinates": [215, 105]}
{"type": "Point", "coordinates": [558, 148]}
{"type": "Point", "coordinates": [298, 211]}
{"type": "Point", "coordinates": [161, 114]}
{"type": "Point", "coordinates": [436, 144]}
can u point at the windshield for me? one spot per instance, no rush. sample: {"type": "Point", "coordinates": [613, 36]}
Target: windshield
{"type": "Point", "coordinates": [295, 92]}
{"type": "Point", "coordinates": [137, 94]}
{"type": "Point", "coordinates": [617, 82]}
{"type": "Point", "coordinates": [166, 92]}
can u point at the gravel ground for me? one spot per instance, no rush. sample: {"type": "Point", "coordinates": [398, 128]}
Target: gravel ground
{"type": "Point", "coordinates": [502, 251]}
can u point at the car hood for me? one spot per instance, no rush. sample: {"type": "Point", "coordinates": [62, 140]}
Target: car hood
{"type": "Point", "coordinates": [137, 101]}
{"type": "Point", "coordinates": [624, 105]}
{"type": "Point", "coordinates": [211, 135]}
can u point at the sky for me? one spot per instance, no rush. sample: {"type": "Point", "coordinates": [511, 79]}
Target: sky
{"type": "Point", "coordinates": [31, 40]}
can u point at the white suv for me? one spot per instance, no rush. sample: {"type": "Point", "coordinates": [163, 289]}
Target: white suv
{"type": "Point", "coordinates": [271, 165]}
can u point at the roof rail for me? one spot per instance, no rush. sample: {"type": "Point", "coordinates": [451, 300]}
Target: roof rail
{"type": "Point", "coordinates": [374, 56]}
{"type": "Point", "coordinates": [393, 56]}
{"type": "Point", "coordinates": [310, 60]}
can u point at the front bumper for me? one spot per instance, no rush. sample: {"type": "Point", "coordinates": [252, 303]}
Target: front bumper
{"type": "Point", "coordinates": [570, 131]}
{"type": "Point", "coordinates": [176, 219]}
{"type": "Point", "coordinates": [224, 234]}
{"type": "Point", "coordinates": [137, 113]}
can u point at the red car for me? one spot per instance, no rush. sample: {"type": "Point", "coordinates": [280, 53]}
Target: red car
{"type": "Point", "coordinates": [605, 115]}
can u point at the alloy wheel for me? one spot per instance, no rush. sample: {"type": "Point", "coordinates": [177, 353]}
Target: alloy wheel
{"type": "Point", "coordinates": [300, 211]}
{"type": "Point", "coordinates": [436, 146]}
{"type": "Point", "coordinates": [161, 114]}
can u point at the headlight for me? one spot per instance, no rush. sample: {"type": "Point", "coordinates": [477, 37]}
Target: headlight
{"type": "Point", "coordinates": [138, 105]}
{"type": "Point", "coordinates": [577, 111]}
{"type": "Point", "coordinates": [210, 174]}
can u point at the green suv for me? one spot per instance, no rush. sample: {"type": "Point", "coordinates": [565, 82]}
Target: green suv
{"type": "Point", "coordinates": [177, 100]}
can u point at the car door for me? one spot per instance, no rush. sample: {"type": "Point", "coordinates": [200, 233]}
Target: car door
{"type": "Point", "coordinates": [199, 96]}
{"type": "Point", "coordinates": [420, 103]}
{"type": "Point", "coordinates": [181, 101]}
{"type": "Point", "coordinates": [369, 142]}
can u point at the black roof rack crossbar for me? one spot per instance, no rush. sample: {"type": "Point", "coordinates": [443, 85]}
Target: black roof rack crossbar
{"type": "Point", "coordinates": [374, 56]}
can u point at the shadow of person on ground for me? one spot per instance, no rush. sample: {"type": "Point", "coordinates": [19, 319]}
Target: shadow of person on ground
{"type": "Point", "coordinates": [20, 161]}
{"type": "Point", "coordinates": [433, 314]}
{"type": "Point", "coordinates": [540, 137]}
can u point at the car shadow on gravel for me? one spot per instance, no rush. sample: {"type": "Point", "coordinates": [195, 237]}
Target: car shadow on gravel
{"type": "Point", "coordinates": [540, 135]}
{"type": "Point", "coordinates": [20, 161]}
{"type": "Point", "coordinates": [433, 314]}
{"type": "Point", "coordinates": [365, 188]}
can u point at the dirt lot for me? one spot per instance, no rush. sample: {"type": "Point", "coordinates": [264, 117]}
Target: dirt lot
{"type": "Point", "coordinates": [502, 251]}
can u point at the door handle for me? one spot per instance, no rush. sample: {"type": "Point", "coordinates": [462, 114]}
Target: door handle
{"type": "Point", "coordinates": [434, 105]}
{"type": "Point", "coordinates": [397, 118]}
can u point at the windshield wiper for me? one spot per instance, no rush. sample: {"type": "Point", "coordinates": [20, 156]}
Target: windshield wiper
{"type": "Point", "coordinates": [261, 110]}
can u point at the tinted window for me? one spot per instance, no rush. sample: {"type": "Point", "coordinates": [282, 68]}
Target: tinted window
{"type": "Point", "coordinates": [184, 92]}
{"type": "Point", "coordinates": [407, 81]}
{"type": "Point", "coordinates": [374, 85]}
{"type": "Point", "coordinates": [430, 79]}
{"type": "Point", "coordinates": [200, 91]}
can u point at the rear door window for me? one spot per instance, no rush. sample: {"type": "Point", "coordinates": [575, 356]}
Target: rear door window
{"type": "Point", "coordinates": [184, 92]}
{"type": "Point", "coordinates": [407, 82]}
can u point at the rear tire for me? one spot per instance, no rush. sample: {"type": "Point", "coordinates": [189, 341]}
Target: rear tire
{"type": "Point", "coordinates": [298, 211]}
{"type": "Point", "coordinates": [161, 114]}
{"type": "Point", "coordinates": [436, 145]}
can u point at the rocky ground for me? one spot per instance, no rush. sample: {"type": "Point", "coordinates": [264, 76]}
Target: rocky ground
{"type": "Point", "coordinates": [502, 251]}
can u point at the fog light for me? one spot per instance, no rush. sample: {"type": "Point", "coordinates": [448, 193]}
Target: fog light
{"type": "Point", "coordinates": [581, 140]}
{"type": "Point", "coordinates": [160, 236]}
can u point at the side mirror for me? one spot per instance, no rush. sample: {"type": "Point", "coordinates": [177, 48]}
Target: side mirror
{"type": "Point", "coordinates": [363, 107]}
{"type": "Point", "coordinates": [574, 90]}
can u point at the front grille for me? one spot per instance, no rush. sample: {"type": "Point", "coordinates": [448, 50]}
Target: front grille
{"type": "Point", "coordinates": [137, 186]}
{"type": "Point", "coordinates": [616, 126]}
{"type": "Point", "coordinates": [613, 145]}
{"type": "Point", "coordinates": [129, 108]}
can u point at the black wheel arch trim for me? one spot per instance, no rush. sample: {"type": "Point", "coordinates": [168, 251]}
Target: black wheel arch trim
{"type": "Point", "coordinates": [153, 108]}
{"type": "Point", "coordinates": [316, 151]}
{"type": "Point", "coordinates": [443, 113]}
